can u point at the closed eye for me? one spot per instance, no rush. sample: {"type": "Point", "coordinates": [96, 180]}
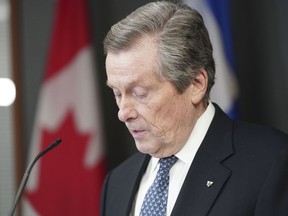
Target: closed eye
{"type": "Point", "coordinates": [140, 94]}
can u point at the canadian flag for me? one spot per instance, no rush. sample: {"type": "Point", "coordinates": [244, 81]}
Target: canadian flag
{"type": "Point", "coordinates": [68, 180]}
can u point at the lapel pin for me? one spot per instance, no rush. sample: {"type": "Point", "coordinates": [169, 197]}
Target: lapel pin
{"type": "Point", "coordinates": [209, 183]}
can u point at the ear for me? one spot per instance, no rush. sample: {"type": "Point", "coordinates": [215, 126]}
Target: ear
{"type": "Point", "coordinates": [199, 87]}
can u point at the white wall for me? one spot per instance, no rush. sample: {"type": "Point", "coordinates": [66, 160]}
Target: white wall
{"type": "Point", "coordinates": [7, 162]}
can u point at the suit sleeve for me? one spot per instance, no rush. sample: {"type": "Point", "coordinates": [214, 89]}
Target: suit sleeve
{"type": "Point", "coordinates": [273, 198]}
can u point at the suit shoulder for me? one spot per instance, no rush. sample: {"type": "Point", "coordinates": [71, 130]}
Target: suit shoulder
{"type": "Point", "coordinates": [133, 160]}
{"type": "Point", "coordinates": [260, 137]}
{"type": "Point", "coordinates": [131, 165]}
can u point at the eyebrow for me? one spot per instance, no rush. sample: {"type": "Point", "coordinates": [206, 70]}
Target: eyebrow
{"type": "Point", "coordinates": [129, 84]}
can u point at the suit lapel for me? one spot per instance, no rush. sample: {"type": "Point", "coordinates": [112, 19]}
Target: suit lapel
{"type": "Point", "coordinates": [196, 198]}
{"type": "Point", "coordinates": [131, 184]}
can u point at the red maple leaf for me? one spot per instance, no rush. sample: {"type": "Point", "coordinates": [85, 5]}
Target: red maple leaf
{"type": "Point", "coordinates": [66, 186]}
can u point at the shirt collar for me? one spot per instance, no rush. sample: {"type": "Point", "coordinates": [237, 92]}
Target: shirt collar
{"type": "Point", "coordinates": [188, 151]}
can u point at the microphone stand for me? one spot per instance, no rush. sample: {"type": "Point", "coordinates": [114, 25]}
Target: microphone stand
{"type": "Point", "coordinates": [27, 173]}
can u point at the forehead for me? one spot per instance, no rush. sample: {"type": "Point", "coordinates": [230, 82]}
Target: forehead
{"type": "Point", "coordinates": [133, 63]}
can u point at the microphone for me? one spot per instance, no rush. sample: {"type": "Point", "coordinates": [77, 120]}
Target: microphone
{"type": "Point", "coordinates": [27, 173]}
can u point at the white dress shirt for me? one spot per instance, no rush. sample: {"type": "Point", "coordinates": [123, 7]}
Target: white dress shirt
{"type": "Point", "coordinates": [180, 169]}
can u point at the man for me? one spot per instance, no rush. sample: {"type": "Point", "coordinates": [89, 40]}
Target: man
{"type": "Point", "coordinates": [161, 69]}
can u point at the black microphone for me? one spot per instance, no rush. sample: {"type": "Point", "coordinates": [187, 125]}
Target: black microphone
{"type": "Point", "coordinates": [27, 173]}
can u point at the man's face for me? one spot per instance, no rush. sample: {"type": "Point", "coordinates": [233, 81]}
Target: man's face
{"type": "Point", "coordinates": [159, 118]}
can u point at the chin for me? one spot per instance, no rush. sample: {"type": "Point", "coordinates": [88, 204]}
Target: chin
{"type": "Point", "coordinates": [145, 148]}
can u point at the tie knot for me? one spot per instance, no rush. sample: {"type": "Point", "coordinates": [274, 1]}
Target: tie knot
{"type": "Point", "coordinates": [168, 162]}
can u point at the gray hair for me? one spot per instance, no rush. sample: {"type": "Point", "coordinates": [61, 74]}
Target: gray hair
{"type": "Point", "coordinates": [182, 41]}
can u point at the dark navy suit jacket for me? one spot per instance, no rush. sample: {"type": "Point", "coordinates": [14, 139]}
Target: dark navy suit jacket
{"type": "Point", "coordinates": [248, 165]}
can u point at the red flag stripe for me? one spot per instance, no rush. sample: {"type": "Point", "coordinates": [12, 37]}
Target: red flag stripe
{"type": "Point", "coordinates": [66, 42]}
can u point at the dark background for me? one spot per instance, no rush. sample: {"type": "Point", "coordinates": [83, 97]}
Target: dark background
{"type": "Point", "coordinates": [259, 30]}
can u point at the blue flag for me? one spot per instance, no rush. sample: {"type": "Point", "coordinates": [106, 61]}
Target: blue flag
{"type": "Point", "coordinates": [216, 17]}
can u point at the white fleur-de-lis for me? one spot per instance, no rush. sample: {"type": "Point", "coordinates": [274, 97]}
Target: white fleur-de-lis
{"type": "Point", "coordinates": [209, 183]}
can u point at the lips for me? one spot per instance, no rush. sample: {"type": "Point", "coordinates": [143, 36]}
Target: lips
{"type": "Point", "coordinates": [137, 133]}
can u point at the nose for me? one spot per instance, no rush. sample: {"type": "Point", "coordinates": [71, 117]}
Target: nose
{"type": "Point", "coordinates": [127, 110]}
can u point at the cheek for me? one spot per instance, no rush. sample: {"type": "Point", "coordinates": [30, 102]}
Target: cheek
{"type": "Point", "coordinates": [173, 115]}
{"type": "Point", "coordinates": [170, 116]}
{"type": "Point", "coordinates": [153, 115]}
{"type": "Point", "coordinates": [163, 117]}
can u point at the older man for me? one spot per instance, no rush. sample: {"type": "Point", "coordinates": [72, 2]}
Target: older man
{"type": "Point", "coordinates": [193, 159]}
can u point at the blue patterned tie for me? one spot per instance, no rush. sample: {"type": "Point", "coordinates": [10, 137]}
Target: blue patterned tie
{"type": "Point", "coordinates": [155, 200]}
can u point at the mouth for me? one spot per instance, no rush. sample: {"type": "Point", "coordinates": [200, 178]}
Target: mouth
{"type": "Point", "coordinates": [137, 133]}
